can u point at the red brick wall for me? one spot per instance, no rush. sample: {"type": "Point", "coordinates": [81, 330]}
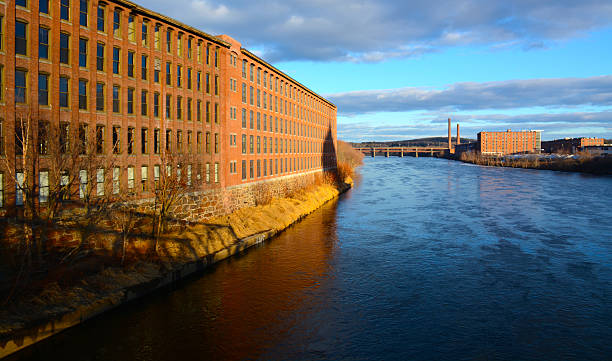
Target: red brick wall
{"type": "Point", "coordinates": [317, 116]}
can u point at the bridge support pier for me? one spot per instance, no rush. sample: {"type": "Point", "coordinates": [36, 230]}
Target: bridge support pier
{"type": "Point", "coordinates": [402, 153]}
{"type": "Point", "coordinates": [416, 153]}
{"type": "Point", "coordinates": [432, 152]}
{"type": "Point", "coordinates": [373, 153]}
{"type": "Point", "coordinates": [387, 154]}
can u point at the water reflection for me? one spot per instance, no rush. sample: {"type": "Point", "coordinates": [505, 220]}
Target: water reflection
{"type": "Point", "coordinates": [426, 259]}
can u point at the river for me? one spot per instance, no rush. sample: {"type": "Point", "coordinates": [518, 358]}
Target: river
{"type": "Point", "coordinates": [425, 259]}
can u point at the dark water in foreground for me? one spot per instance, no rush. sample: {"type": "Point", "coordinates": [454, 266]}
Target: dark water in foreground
{"type": "Point", "coordinates": [426, 259]}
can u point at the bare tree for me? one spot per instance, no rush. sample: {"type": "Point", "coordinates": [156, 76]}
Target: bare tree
{"type": "Point", "coordinates": [172, 182]}
{"type": "Point", "coordinates": [124, 220]}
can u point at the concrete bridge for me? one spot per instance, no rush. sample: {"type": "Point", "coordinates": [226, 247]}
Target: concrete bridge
{"type": "Point", "coordinates": [401, 151]}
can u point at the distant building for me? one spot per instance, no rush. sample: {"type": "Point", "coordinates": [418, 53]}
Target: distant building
{"type": "Point", "coordinates": [466, 147]}
{"type": "Point", "coordinates": [570, 145]}
{"type": "Point", "coordinates": [509, 142]}
{"type": "Point", "coordinates": [605, 149]}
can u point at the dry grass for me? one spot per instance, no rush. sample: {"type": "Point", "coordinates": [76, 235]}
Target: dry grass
{"type": "Point", "coordinates": [585, 162]}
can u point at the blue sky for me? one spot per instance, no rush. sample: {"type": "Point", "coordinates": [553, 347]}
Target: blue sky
{"type": "Point", "coordinates": [397, 70]}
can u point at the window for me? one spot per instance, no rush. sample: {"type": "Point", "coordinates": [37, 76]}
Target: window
{"type": "Point", "coordinates": [116, 181]}
{"type": "Point", "coordinates": [131, 134]}
{"type": "Point", "coordinates": [251, 144]}
{"type": "Point", "coordinates": [244, 144]}
{"type": "Point", "coordinates": [130, 101]}
{"type": "Point", "coordinates": [144, 175]}
{"type": "Point", "coordinates": [189, 141]}
{"type": "Point", "coordinates": [82, 52]}
{"type": "Point", "coordinates": [179, 107]}
{"type": "Point", "coordinates": [156, 141]}
{"type": "Point", "coordinates": [100, 182]}
{"type": "Point", "coordinates": [199, 142]}
{"type": "Point", "coordinates": [156, 174]}
{"type": "Point", "coordinates": [156, 105]}
{"type": "Point", "coordinates": [169, 40]}
{"type": "Point", "coordinates": [198, 81]}
{"type": "Point", "coordinates": [199, 111]}
{"type": "Point", "coordinates": [207, 83]}
{"type": "Point", "coordinates": [168, 73]}
{"type": "Point", "coordinates": [130, 64]}
{"type": "Point", "coordinates": [251, 172]}
{"type": "Point", "coordinates": [217, 57]}
{"type": "Point", "coordinates": [216, 142]}
{"type": "Point", "coordinates": [83, 9]}
{"type": "Point", "coordinates": [117, 23]}
{"type": "Point", "coordinates": [116, 139]}
{"type": "Point", "coordinates": [216, 113]}
{"type": "Point", "coordinates": [156, 71]}
{"type": "Point", "coordinates": [179, 45]}
{"type": "Point", "coordinates": [21, 38]}
{"type": "Point", "coordinates": [189, 101]}
{"type": "Point", "coordinates": [116, 99]}
{"type": "Point", "coordinates": [43, 187]}
{"type": "Point", "coordinates": [130, 176]}
{"type": "Point", "coordinates": [178, 76]}
{"type": "Point", "coordinates": [100, 57]}
{"type": "Point", "coordinates": [216, 85]}
{"type": "Point", "coordinates": [43, 89]}
{"type": "Point", "coordinates": [207, 172]}
{"type": "Point", "coordinates": [100, 97]}
{"type": "Point", "coordinates": [63, 92]}
{"type": "Point", "coordinates": [100, 139]}
{"type": "Point", "coordinates": [82, 94]}
{"type": "Point", "coordinates": [143, 67]}
{"type": "Point", "coordinates": [207, 112]}
{"type": "Point", "coordinates": [179, 141]}
{"type": "Point", "coordinates": [145, 33]}
{"type": "Point", "coordinates": [65, 10]}
{"type": "Point", "coordinates": [216, 172]}
{"type": "Point", "coordinates": [168, 106]}
{"type": "Point", "coordinates": [101, 17]}
{"type": "Point", "coordinates": [116, 57]}
{"type": "Point", "coordinates": [208, 142]}
{"type": "Point", "coordinates": [64, 48]}
{"type": "Point", "coordinates": [82, 183]}
{"type": "Point", "coordinates": [251, 71]}
{"type": "Point", "coordinates": [43, 6]}
{"type": "Point", "coordinates": [82, 138]}
{"type": "Point", "coordinates": [144, 140]}
{"type": "Point", "coordinates": [43, 137]}
{"type": "Point", "coordinates": [157, 37]}
{"type": "Point", "coordinates": [43, 43]}
{"type": "Point", "coordinates": [189, 78]}
{"type": "Point", "coordinates": [244, 170]}
{"type": "Point", "coordinates": [189, 47]}
{"type": "Point", "coordinates": [143, 102]}
{"type": "Point", "coordinates": [244, 69]}
{"type": "Point", "coordinates": [168, 140]}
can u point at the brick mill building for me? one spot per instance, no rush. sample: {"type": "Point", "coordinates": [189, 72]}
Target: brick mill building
{"type": "Point", "coordinates": [570, 145]}
{"type": "Point", "coordinates": [509, 142]}
{"type": "Point", "coordinates": [137, 84]}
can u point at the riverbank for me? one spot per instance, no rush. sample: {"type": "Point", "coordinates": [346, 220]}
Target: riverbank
{"type": "Point", "coordinates": [181, 253]}
{"type": "Point", "coordinates": [582, 163]}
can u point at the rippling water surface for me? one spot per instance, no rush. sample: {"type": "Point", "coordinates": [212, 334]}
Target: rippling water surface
{"type": "Point", "coordinates": [426, 259]}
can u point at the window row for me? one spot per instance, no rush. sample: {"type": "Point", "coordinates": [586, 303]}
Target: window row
{"type": "Point", "coordinates": [257, 168]}
{"type": "Point", "coordinates": [271, 145]}
{"type": "Point", "coordinates": [185, 44]}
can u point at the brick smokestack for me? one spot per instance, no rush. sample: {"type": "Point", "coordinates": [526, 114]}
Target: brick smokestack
{"type": "Point", "coordinates": [450, 144]}
{"type": "Point", "coordinates": [458, 137]}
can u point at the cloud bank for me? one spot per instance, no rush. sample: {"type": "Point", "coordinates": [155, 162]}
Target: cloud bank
{"type": "Point", "coordinates": [559, 92]}
{"type": "Point", "coordinates": [376, 30]}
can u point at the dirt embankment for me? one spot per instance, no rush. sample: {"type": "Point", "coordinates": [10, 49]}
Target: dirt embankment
{"type": "Point", "coordinates": [58, 306]}
{"type": "Point", "coordinates": [583, 163]}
